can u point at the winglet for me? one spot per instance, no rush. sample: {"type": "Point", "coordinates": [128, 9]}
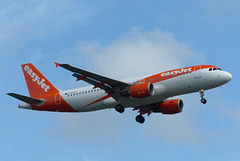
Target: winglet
{"type": "Point", "coordinates": [57, 64]}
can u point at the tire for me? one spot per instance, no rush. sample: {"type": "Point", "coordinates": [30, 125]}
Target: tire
{"type": "Point", "coordinates": [140, 119]}
{"type": "Point", "coordinates": [119, 108]}
{"type": "Point", "coordinates": [204, 101]}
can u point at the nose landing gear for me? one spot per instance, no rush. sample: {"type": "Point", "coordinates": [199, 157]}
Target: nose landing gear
{"type": "Point", "coordinates": [203, 100]}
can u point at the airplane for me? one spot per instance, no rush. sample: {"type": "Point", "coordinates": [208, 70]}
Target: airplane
{"type": "Point", "coordinates": [146, 94]}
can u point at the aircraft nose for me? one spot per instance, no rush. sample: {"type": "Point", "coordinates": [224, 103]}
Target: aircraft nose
{"type": "Point", "coordinates": [228, 76]}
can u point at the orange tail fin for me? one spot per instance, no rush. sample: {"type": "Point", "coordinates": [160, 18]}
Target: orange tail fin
{"type": "Point", "coordinates": [38, 85]}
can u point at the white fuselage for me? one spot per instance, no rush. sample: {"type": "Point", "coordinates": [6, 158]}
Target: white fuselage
{"type": "Point", "coordinates": [89, 99]}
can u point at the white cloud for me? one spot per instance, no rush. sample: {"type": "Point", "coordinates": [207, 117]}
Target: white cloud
{"type": "Point", "coordinates": [138, 53]}
{"type": "Point", "coordinates": [26, 20]}
{"type": "Point", "coordinates": [36, 12]}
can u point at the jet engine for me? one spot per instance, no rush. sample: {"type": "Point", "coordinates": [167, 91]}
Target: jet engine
{"type": "Point", "coordinates": [141, 90]}
{"type": "Point", "coordinates": [170, 107]}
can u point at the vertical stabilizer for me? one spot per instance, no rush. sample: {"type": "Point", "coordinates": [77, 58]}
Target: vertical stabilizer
{"type": "Point", "coordinates": [38, 85]}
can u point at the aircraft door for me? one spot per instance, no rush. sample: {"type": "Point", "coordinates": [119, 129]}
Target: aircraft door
{"type": "Point", "coordinates": [57, 99]}
{"type": "Point", "coordinates": [197, 72]}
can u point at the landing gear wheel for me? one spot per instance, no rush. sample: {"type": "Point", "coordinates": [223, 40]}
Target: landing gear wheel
{"type": "Point", "coordinates": [119, 108]}
{"type": "Point", "coordinates": [203, 100]}
{"type": "Point", "coordinates": [140, 119]}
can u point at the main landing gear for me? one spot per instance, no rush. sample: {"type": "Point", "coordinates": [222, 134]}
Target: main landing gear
{"type": "Point", "coordinates": [119, 108]}
{"type": "Point", "coordinates": [203, 100]}
{"type": "Point", "coordinates": [140, 119]}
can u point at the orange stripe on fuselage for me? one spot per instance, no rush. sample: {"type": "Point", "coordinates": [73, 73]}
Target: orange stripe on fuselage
{"type": "Point", "coordinates": [173, 73]}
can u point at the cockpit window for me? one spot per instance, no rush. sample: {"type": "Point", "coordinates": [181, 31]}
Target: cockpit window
{"type": "Point", "coordinates": [213, 69]}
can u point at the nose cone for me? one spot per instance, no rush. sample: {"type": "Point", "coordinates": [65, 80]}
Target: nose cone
{"type": "Point", "coordinates": [228, 76]}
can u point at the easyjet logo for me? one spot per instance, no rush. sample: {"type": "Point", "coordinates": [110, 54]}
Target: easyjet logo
{"type": "Point", "coordinates": [37, 79]}
{"type": "Point", "coordinates": [175, 72]}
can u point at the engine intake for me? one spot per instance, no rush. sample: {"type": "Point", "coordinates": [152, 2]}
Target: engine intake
{"type": "Point", "coordinates": [141, 90]}
{"type": "Point", "coordinates": [170, 107]}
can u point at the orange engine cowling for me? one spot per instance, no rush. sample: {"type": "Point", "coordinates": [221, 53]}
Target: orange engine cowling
{"type": "Point", "coordinates": [170, 107]}
{"type": "Point", "coordinates": [141, 90]}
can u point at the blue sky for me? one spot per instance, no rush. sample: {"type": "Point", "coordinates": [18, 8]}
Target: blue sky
{"type": "Point", "coordinates": [120, 39]}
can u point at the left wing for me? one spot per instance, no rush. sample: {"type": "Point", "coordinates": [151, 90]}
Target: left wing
{"type": "Point", "coordinates": [111, 86]}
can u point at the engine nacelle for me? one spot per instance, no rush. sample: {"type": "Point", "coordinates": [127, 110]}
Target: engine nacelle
{"type": "Point", "coordinates": [141, 90]}
{"type": "Point", "coordinates": [170, 107]}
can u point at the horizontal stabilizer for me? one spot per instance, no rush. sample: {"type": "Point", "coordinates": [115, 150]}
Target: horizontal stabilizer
{"type": "Point", "coordinates": [26, 99]}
